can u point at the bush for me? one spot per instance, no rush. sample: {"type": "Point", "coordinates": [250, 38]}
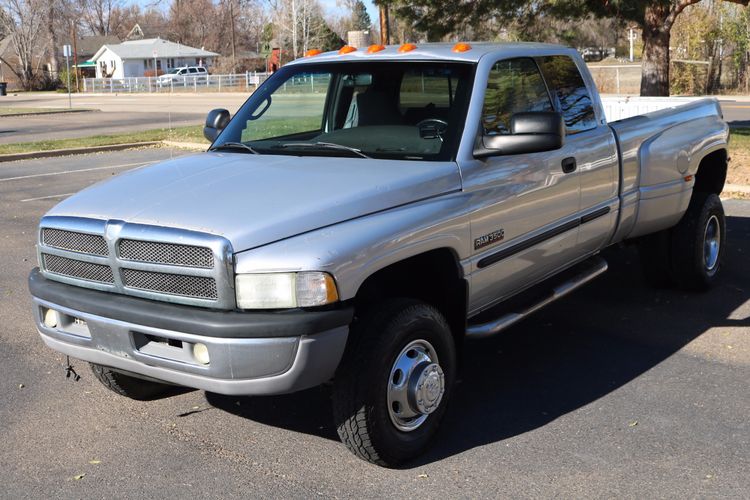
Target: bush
{"type": "Point", "coordinates": [62, 83]}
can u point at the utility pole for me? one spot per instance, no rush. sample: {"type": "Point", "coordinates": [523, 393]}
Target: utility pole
{"type": "Point", "coordinates": [231, 23]}
{"type": "Point", "coordinates": [385, 27]}
{"type": "Point", "coordinates": [75, 56]}
{"type": "Point", "coordinates": [631, 38]}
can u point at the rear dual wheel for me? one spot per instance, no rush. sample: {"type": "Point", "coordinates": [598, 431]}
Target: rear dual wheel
{"type": "Point", "coordinates": [690, 254]}
{"type": "Point", "coordinates": [392, 387]}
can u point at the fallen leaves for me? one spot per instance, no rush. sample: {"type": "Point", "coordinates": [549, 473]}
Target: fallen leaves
{"type": "Point", "coordinates": [633, 423]}
{"type": "Point", "coordinates": [79, 477]}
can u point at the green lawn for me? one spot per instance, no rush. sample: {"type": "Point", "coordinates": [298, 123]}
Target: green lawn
{"type": "Point", "coordinates": [181, 134]}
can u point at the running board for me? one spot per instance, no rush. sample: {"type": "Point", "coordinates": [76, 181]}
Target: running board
{"type": "Point", "coordinates": [593, 267]}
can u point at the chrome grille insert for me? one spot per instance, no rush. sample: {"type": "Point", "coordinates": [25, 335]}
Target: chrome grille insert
{"type": "Point", "coordinates": [152, 262]}
{"type": "Point", "coordinates": [76, 242]}
{"type": "Point", "coordinates": [173, 284]}
{"type": "Point", "coordinates": [166, 253]}
{"type": "Point", "coordinates": [78, 269]}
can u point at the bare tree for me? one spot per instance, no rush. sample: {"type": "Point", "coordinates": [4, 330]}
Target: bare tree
{"type": "Point", "coordinates": [24, 21]}
{"type": "Point", "coordinates": [98, 15]}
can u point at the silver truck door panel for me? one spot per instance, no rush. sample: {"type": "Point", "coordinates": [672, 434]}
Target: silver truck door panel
{"type": "Point", "coordinates": [522, 197]}
{"type": "Point", "coordinates": [596, 155]}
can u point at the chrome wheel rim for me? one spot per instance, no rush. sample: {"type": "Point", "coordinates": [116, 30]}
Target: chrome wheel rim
{"type": "Point", "coordinates": [416, 384]}
{"type": "Point", "coordinates": [711, 244]}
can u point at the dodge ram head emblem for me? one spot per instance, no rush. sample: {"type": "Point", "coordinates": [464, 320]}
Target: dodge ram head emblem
{"type": "Point", "coordinates": [489, 239]}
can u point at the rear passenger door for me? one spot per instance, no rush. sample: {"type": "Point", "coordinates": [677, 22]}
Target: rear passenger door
{"type": "Point", "coordinates": [590, 144]}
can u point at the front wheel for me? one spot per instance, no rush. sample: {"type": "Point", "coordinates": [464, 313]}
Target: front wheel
{"type": "Point", "coordinates": [393, 385]}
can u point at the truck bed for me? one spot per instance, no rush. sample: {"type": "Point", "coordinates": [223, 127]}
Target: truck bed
{"type": "Point", "coordinates": [660, 153]}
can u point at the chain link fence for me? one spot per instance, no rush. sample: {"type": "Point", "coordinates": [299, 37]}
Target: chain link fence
{"type": "Point", "coordinates": [175, 83]}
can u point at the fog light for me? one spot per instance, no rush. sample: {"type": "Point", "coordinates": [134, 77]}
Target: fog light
{"type": "Point", "coordinates": [200, 351]}
{"type": "Point", "coordinates": [51, 319]}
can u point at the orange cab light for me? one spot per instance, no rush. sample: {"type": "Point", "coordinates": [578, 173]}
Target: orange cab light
{"type": "Point", "coordinates": [313, 52]}
{"type": "Point", "coordinates": [461, 47]}
{"type": "Point", "coordinates": [407, 47]}
{"type": "Point", "coordinates": [375, 48]}
{"type": "Point", "coordinates": [347, 49]}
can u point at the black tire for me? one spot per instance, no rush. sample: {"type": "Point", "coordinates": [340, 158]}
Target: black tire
{"type": "Point", "coordinates": [360, 394]}
{"type": "Point", "coordinates": [690, 268]}
{"type": "Point", "coordinates": [130, 387]}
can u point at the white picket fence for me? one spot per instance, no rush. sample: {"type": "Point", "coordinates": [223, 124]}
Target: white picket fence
{"type": "Point", "coordinates": [187, 83]}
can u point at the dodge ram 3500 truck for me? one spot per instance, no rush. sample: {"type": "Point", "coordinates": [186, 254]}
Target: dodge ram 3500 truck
{"type": "Point", "coordinates": [363, 214]}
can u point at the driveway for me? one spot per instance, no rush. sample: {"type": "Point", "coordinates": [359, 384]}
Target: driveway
{"type": "Point", "coordinates": [616, 391]}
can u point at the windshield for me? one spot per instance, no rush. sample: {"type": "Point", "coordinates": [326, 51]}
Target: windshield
{"type": "Point", "coordinates": [391, 110]}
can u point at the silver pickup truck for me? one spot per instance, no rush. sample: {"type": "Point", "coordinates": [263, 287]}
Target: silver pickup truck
{"type": "Point", "coordinates": [362, 215]}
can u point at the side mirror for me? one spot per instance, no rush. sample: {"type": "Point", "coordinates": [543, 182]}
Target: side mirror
{"type": "Point", "coordinates": [531, 132]}
{"type": "Point", "coordinates": [216, 121]}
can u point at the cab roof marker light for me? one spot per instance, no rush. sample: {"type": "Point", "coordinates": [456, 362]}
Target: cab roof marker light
{"type": "Point", "coordinates": [461, 47]}
{"type": "Point", "coordinates": [313, 52]}
{"type": "Point", "coordinates": [375, 48]}
{"type": "Point", "coordinates": [407, 47]}
{"type": "Point", "coordinates": [346, 49]}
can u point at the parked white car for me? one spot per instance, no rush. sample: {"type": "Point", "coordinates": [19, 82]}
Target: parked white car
{"type": "Point", "coordinates": [183, 76]}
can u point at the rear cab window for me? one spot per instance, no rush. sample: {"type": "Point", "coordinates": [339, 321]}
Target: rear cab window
{"type": "Point", "coordinates": [569, 92]}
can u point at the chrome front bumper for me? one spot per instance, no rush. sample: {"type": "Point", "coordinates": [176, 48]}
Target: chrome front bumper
{"type": "Point", "coordinates": [237, 365]}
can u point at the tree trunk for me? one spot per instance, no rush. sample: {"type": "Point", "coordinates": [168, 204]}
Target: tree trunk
{"type": "Point", "coordinates": [54, 63]}
{"type": "Point", "coordinates": [655, 69]}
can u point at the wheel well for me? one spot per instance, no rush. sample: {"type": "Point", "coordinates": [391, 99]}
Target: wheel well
{"type": "Point", "coordinates": [712, 173]}
{"type": "Point", "coordinates": [434, 277]}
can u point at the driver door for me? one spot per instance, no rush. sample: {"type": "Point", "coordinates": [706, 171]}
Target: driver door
{"type": "Point", "coordinates": [523, 228]}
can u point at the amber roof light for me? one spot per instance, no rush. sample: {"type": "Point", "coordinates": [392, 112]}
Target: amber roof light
{"type": "Point", "coordinates": [407, 47]}
{"type": "Point", "coordinates": [313, 52]}
{"type": "Point", "coordinates": [461, 47]}
{"type": "Point", "coordinates": [375, 48]}
{"type": "Point", "coordinates": [346, 49]}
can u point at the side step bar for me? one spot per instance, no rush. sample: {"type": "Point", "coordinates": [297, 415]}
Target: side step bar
{"type": "Point", "coordinates": [593, 268]}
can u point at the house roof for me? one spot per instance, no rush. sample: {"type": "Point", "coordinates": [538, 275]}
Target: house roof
{"type": "Point", "coordinates": [89, 45]}
{"type": "Point", "coordinates": [145, 49]}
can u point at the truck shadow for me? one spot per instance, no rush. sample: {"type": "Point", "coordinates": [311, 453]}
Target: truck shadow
{"type": "Point", "coordinates": [563, 358]}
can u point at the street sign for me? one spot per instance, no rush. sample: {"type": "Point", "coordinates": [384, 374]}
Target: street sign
{"type": "Point", "coordinates": [66, 51]}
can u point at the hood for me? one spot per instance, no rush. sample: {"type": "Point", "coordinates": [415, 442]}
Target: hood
{"type": "Point", "coordinates": [253, 200]}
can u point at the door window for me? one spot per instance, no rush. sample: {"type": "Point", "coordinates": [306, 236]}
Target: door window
{"type": "Point", "coordinates": [570, 93]}
{"type": "Point", "coordinates": [514, 86]}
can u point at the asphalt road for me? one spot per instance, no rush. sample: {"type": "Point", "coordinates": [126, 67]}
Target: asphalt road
{"type": "Point", "coordinates": [616, 391]}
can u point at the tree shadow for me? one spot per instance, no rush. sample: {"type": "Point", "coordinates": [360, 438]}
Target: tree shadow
{"type": "Point", "coordinates": [564, 357]}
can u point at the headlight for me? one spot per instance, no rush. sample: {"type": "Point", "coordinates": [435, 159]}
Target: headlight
{"type": "Point", "coordinates": [285, 290]}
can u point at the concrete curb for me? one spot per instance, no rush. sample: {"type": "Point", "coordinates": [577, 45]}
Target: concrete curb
{"type": "Point", "coordinates": [195, 146]}
{"type": "Point", "coordinates": [736, 188]}
{"type": "Point", "coordinates": [55, 112]}
{"type": "Point", "coordinates": [75, 151]}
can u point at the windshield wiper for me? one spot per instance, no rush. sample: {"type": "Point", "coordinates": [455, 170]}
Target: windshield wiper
{"type": "Point", "coordinates": [235, 146]}
{"type": "Point", "coordinates": [323, 145]}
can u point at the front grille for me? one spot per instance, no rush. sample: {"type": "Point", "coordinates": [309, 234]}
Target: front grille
{"type": "Point", "coordinates": [166, 253]}
{"type": "Point", "coordinates": [173, 284]}
{"type": "Point", "coordinates": [78, 269]}
{"type": "Point", "coordinates": [76, 242]}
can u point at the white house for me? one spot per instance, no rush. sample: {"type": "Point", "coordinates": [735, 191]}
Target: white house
{"type": "Point", "coordinates": [135, 57]}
